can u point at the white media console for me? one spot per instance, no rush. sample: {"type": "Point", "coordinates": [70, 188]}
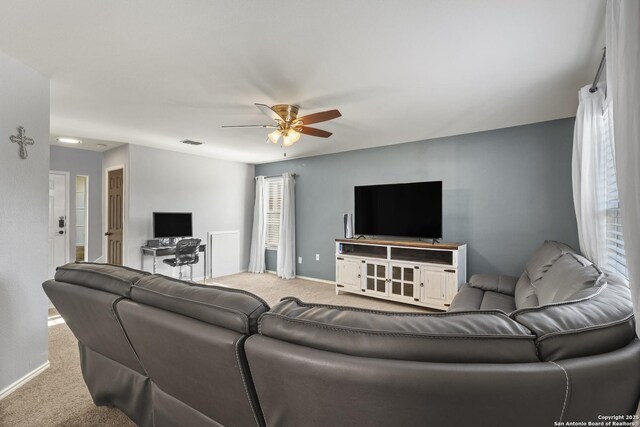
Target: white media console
{"type": "Point", "coordinates": [412, 272]}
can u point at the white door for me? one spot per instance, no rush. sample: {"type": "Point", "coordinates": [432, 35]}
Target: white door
{"type": "Point", "coordinates": [58, 239]}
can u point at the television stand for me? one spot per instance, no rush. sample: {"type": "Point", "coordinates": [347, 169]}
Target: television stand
{"type": "Point", "coordinates": [412, 272]}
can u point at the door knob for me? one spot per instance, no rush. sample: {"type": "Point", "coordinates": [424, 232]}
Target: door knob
{"type": "Point", "coordinates": [61, 232]}
{"type": "Point", "coordinates": [108, 234]}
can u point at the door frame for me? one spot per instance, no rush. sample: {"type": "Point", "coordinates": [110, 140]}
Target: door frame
{"type": "Point", "coordinates": [66, 211]}
{"type": "Point", "coordinates": [105, 210]}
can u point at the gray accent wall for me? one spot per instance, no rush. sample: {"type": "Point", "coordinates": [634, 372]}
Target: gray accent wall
{"type": "Point", "coordinates": [89, 163]}
{"type": "Point", "coordinates": [504, 192]}
{"type": "Point", "coordinates": [24, 213]}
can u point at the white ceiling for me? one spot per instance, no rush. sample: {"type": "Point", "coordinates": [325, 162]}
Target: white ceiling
{"type": "Point", "coordinates": [153, 72]}
{"type": "Point", "coordinates": [85, 144]}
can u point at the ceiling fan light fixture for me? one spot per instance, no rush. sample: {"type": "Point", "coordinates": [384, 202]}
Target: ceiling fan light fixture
{"type": "Point", "coordinates": [288, 127]}
{"type": "Point", "coordinates": [275, 136]}
{"type": "Point", "coordinates": [290, 138]}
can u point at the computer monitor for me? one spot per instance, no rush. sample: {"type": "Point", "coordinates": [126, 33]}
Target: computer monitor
{"type": "Point", "coordinates": [172, 224]}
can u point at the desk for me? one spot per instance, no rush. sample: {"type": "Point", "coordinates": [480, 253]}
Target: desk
{"type": "Point", "coordinates": [164, 251]}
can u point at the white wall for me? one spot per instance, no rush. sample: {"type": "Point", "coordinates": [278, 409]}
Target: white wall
{"type": "Point", "coordinates": [24, 195]}
{"type": "Point", "coordinates": [219, 193]}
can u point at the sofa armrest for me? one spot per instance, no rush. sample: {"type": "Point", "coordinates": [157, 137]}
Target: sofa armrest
{"type": "Point", "coordinates": [487, 282]}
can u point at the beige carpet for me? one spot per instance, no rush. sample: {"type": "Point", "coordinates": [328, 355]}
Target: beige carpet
{"type": "Point", "coordinates": [272, 289]}
{"type": "Point", "coordinates": [59, 397]}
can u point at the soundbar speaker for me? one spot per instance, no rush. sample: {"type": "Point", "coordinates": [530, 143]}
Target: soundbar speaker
{"type": "Point", "coordinates": [348, 226]}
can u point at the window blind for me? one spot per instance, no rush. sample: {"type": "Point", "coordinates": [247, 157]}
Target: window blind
{"type": "Point", "coordinates": [616, 259]}
{"type": "Point", "coordinates": [272, 211]}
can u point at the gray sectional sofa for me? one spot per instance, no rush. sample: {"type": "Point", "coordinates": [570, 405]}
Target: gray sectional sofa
{"type": "Point", "coordinates": [556, 344]}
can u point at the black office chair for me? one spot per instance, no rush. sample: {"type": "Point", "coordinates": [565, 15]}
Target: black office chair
{"type": "Point", "coordinates": [187, 253]}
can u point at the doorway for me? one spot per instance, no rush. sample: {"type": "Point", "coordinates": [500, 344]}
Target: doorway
{"type": "Point", "coordinates": [58, 238]}
{"type": "Point", "coordinates": [115, 208]}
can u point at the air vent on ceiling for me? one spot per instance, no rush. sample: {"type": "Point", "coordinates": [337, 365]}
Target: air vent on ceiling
{"type": "Point", "coordinates": [191, 142]}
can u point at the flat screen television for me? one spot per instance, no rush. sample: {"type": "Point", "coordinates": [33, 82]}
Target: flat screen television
{"type": "Point", "coordinates": [406, 210]}
{"type": "Point", "coordinates": [172, 224]}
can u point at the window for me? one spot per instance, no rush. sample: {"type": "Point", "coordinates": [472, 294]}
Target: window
{"type": "Point", "coordinates": [273, 191]}
{"type": "Point", "coordinates": [616, 259]}
{"type": "Point", "coordinates": [82, 217]}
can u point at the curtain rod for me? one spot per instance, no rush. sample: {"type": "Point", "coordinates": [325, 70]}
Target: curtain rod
{"type": "Point", "coordinates": [593, 87]}
{"type": "Point", "coordinates": [278, 176]}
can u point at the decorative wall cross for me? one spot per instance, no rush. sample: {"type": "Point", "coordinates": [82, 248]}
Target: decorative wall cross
{"type": "Point", "coordinates": [22, 141]}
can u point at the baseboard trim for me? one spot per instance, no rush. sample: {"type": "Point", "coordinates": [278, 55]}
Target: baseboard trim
{"type": "Point", "coordinates": [313, 279]}
{"type": "Point", "coordinates": [22, 381]}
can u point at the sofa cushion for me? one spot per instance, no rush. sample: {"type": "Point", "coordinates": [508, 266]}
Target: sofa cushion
{"type": "Point", "coordinates": [115, 279]}
{"type": "Point", "coordinates": [466, 299]}
{"type": "Point", "coordinates": [497, 301]}
{"type": "Point", "coordinates": [488, 282]}
{"type": "Point", "coordinates": [470, 298]}
{"type": "Point", "coordinates": [595, 320]}
{"type": "Point", "coordinates": [458, 337]}
{"type": "Point", "coordinates": [230, 308]}
{"type": "Point", "coordinates": [525, 293]}
{"type": "Point", "coordinates": [569, 274]}
{"type": "Point", "coordinates": [543, 258]}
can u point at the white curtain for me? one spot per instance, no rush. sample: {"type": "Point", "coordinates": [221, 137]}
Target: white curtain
{"type": "Point", "coordinates": [256, 257]}
{"type": "Point", "coordinates": [286, 267]}
{"type": "Point", "coordinates": [588, 172]}
{"type": "Point", "coordinates": [623, 86]}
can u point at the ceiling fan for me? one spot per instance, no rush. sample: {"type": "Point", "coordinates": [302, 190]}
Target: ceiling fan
{"type": "Point", "coordinates": [289, 126]}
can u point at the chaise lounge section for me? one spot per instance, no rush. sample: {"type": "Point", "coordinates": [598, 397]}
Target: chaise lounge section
{"type": "Point", "coordinates": [556, 344]}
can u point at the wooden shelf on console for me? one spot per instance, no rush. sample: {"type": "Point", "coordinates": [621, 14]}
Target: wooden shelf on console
{"type": "Point", "coordinates": [404, 243]}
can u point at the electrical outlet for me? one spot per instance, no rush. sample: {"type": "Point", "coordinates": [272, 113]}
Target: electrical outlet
{"type": "Point", "coordinates": [317, 257]}
{"type": "Point", "coordinates": [299, 260]}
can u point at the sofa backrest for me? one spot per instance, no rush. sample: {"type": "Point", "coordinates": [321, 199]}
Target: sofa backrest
{"type": "Point", "coordinates": [460, 337]}
{"type": "Point", "coordinates": [115, 279]}
{"type": "Point", "coordinates": [190, 340]}
{"type": "Point", "coordinates": [229, 308]}
{"type": "Point", "coordinates": [525, 293]}
{"type": "Point", "coordinates": [590, 314]}
{"type": "Point", "coordinates": [304, 386]}
{"type": "Point", "coordinates": [569, 274]}
{"type": "Point", "coordinates": [85, 295]}
{"type": "Point", "coordinates": [543, 258]}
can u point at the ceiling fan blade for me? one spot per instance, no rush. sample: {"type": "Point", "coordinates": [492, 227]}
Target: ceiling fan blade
{"type": "Point", "coordinates": [320, 117]}
{"type": "Point", "coordinates": [314, 132]}
{"type": "Point", "coordinates": [269, 112]}
{"type": "Point", "coordinates": [250, 126]}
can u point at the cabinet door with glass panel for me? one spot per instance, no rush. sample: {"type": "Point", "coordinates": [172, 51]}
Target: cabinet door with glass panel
{"type": "Point", "coordinates": [403, 279]}
{"type": "Point", "coordinates": [375, 278]}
